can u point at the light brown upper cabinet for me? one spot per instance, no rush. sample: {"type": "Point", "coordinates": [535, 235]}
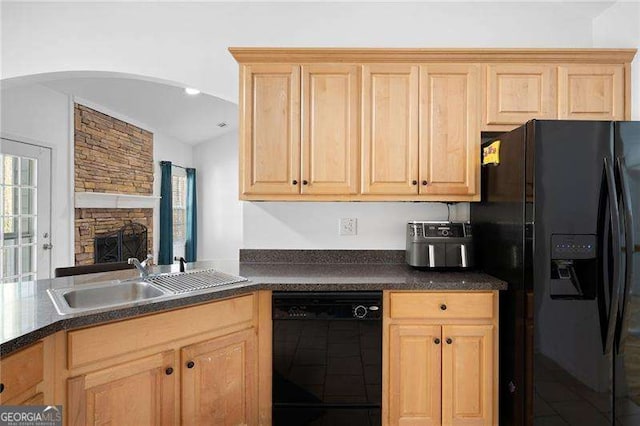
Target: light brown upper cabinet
{"type": "Point", "coordinates": [449, 129]}
{"type": "Point", "coordinates": [516, 93]}
{"type": "Point", "coordinates": [591, 92]}
{"type": "Point", "coordinates": [270, 129]}
{"type": "Point", "coordinates": [330, 129]}
{"type": "Point", "coordinates": [390, 129]}
{"type": "Point", "coordinates": [343, 124]}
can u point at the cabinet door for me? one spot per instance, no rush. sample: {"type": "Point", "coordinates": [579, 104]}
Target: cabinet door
{"type": "Point", "coordinates": [414, 375]}
{"type": "Point", "coordinates": [517, 93]}
{"type": "Point", "coordinates": [467, 375]}
{"type": "Point", "coordinates": [390, 129]}
{"type": "Point", "coordinates": [139, 392]}
{"type": "Point", "coordinates": [219, 381]}
{"type": "Point", "coordinates": [591, 92]}
{"type": "Point", "coordinates": [449, 134]}
{"type": "Point", "coordinates": [270, 129]}
{"type": "Point", "coordinates": [330, 129]}
{"type": "Point", "coordinates": [20, 375]}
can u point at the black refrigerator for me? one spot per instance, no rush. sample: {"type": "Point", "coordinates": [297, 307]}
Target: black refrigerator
{"type": "Point", "coordinates": [559, 221]}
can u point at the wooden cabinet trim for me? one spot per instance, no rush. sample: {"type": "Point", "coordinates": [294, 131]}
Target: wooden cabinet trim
{"type": "Point", "coordinates": [391, 55]}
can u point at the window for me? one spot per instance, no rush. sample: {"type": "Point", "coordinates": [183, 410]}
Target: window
{"type": "Point", "coordinates": [179, 196]}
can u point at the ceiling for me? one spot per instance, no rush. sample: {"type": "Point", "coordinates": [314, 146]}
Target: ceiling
{"type": "Point", "coordinates": [156, 106]}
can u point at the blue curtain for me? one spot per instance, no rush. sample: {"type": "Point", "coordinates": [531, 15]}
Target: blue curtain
{"type": "Point", "coordinates": [191, 245]}
{"type": "Point", "coordinates": [165, 254]}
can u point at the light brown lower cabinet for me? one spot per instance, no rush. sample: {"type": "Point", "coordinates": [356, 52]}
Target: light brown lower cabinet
{"type": "Point", "coordinates": [439, 369]}
{"type": "Point", "coordinates": [219, 384]}
{"type": "Point", "coordinates": [201, 365]}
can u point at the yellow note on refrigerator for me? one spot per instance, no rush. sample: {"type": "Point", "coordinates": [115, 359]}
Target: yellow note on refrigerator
{"type": "Point", "coordinates": [491, 154]}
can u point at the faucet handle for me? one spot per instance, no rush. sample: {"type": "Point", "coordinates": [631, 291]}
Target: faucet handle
{"type": "Point", "coordinates": [132, 260]}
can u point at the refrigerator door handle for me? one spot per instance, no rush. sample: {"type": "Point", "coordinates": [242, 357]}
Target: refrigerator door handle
{"type": "Point", "coordinates": [617, 248]}
{"type": "Point", "coordinates": [623, 321]}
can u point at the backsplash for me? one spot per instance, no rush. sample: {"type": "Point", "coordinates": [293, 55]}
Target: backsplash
{"type": "Point", "coordinates": [309, 225]}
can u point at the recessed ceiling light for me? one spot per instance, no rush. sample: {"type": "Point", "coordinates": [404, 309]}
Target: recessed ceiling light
{"type": "Point", "coordinates": [222, 124]}
{"type": "Point", "coordinates": [191, 91]}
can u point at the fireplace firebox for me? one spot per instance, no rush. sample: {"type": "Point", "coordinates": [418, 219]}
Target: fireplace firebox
{"type": "Point", "coordinates": [118, 246]}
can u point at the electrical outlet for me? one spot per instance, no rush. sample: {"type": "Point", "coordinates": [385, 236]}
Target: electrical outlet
{"type": "Point", "coordinates": [348, 226]}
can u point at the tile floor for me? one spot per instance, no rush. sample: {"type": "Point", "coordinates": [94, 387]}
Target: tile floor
{"type": "Point", "coordinates": [561, 400]}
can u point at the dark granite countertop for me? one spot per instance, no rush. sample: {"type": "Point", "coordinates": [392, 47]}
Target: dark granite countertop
{"type": "Point", "coordinates": [28, 314]}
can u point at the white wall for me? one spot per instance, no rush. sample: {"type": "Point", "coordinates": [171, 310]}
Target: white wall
{"type": "Point", "coordinates": [312, 225]}
{"type": "Point", "coordinates": [619, 26]}
{"type": "Point", "coordinates": [219, 210]}
{"type": "Point", "coordinates": [187, 42]}
{"type": "Point", "coordinates": [39, 115]}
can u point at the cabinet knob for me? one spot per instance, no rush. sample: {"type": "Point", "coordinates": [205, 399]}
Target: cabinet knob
{"type": "Point", "coordinates": [1, 387]}
{"type": "Point", "coordinates": [449, 341]}
{"type": "Point", "coordinates": [304, 182]}
{"type": "Point", "coordinates": [191, 364]}
{"type": "Point", "coordinates": [168, 371]}
{"type": "Point", "coordinates": [424, 182]}
{"type": "Point", "coordinates": [443, 307]}
{"type": "Point", "coordinates": [414, 182]}
{"type": "Point", "coordinates": [295, 182]}
{"type": "Point", "coordinates": [436, 341]}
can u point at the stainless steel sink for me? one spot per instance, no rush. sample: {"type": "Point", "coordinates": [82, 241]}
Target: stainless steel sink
{"type": "Point", "coordinates": [103, 295]}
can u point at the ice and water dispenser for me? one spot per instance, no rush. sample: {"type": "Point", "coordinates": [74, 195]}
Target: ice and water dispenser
{"type": "Point", "coordinates": [573, 266]}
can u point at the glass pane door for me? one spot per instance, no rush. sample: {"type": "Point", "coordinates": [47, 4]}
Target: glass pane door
{"type": "Point", "coordinates": [25, 186]}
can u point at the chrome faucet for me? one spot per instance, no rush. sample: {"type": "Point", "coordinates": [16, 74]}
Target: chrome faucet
{"type": "Point", "coordinates": [143, 266]}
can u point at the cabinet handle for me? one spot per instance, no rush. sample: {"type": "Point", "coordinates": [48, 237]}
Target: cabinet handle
{"type": "Point", "coordinates": [295, 182]}
{"type": "Point", "coordinates": [436, 341]}
{"type": "Point", "coordinates": [414, 182]}
{"type": "Point", "coordinates": [191, 364]}
{"type": "Point", "coordinates": [168, 371]}
{"type": "Point", "coordinates": [304, 182]}
{"type": "Point", "coordinates": [443, 307]}
{"type": "Point", "coordinates": [424, 182]}
{"type": "Point", "coordinates": [449, 341]}
{"type": "Point", "coordinates": [1, 387]}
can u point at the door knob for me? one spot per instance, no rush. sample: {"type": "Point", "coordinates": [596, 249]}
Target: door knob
{"type": "Point", "coordinates": [191, 364]}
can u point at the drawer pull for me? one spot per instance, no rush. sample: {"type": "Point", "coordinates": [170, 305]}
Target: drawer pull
{"type": "Point", "coordinates": [449, 341]}
{"type": "Point", "coordinates": [436, 341]}
{"type": "Point", "coordinates": [191, 364]}
{"type": "Point", "coordinates": [443, 307]}
{"type": "Point", "coordinates": [1, 387]}
{"type": "Point", "coordinates": [168, 371]}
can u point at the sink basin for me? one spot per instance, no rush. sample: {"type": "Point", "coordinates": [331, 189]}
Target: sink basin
{"type": "Point", "coordinates": [103, 295]}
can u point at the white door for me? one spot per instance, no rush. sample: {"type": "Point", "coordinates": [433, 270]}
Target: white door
{"type": "Point", "coordinates": [25, 218]}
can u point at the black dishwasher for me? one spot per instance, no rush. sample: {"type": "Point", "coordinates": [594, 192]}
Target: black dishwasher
{"type": "Point", "coordinates": [327, 358]}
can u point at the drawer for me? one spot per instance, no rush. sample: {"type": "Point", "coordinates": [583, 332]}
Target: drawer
{"type": "Point", "coordinates": [102, 342]}
{"type": "Point", "coordinates": [21, 371]}
{"type": "Point", "coordinates": [405, 305]}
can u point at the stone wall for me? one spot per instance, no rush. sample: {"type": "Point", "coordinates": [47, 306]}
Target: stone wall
{"type": "Point", "coordinates": [110, 156]}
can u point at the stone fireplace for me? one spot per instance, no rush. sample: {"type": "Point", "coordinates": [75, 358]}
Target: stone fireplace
{"type": "Point", "coordinates": [114, 186]}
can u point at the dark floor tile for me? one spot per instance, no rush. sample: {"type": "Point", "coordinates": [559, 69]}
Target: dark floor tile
{"type": "Point", "coordinates": [549, 421]}
{"type": "Point", "coordinates": [580, 413]}
{"type": "Point", "coordinates": [554, 391]}
{"type": "Point", "coordinates": [344, 365]}
{"type": "Point", "coordinates": [308, 375]}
